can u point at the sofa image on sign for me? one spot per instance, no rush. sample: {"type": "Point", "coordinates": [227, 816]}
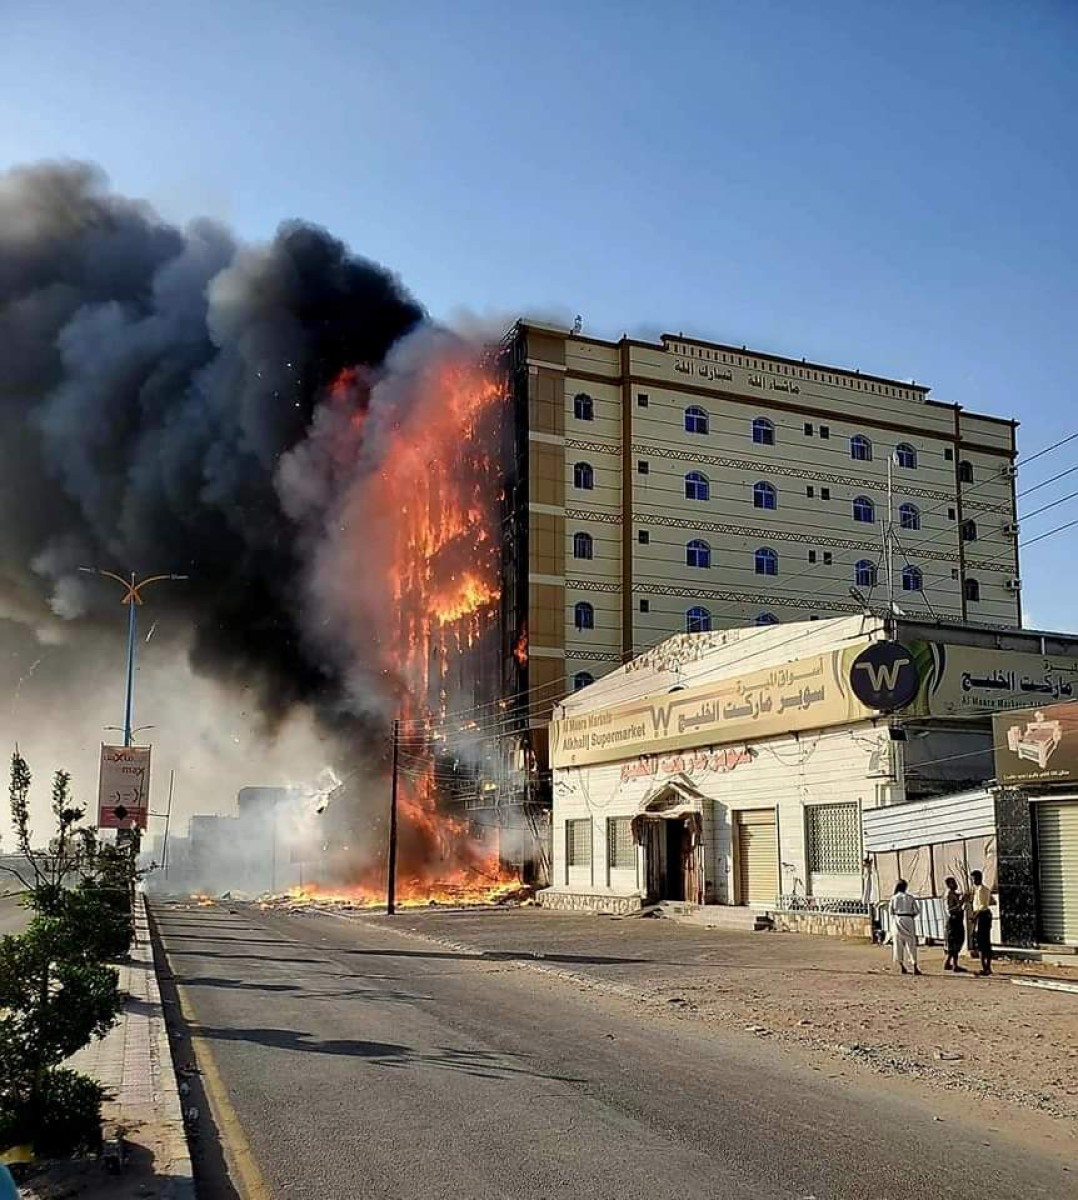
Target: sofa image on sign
{"type": "Point", "coordinates": [1037, 741]}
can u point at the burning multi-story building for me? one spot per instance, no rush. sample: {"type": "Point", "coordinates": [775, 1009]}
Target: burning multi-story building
{"type": "Point", "coordinates": [575, 501]}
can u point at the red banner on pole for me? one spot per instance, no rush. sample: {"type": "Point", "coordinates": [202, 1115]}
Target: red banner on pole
{"type": "Point", "coordinates": [123, 793]}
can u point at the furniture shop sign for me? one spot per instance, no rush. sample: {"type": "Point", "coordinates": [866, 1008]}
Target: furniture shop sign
{"type": "Point", "coordinates": [1037, 746]}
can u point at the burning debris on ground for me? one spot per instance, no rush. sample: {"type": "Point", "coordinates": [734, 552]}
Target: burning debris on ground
{"type": "Point", "coordinates": [424, 894]}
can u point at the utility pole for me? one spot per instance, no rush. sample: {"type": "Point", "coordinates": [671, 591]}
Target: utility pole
{"type": "Point", "coordinates": [391, 872]}
{"type": "Point", "coordinates": [132, 596]}
{"type": "Point", "coordinates": [168, 822]}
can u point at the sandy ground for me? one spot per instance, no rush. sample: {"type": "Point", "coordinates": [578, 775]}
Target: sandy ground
{"type": "Point", "coordinates": [89, 1179]}
{"type": "Point", "coordinates": [836, 999]}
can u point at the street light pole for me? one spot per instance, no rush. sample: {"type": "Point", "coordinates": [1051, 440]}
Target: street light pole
{"type": "Point", "coordinates": [132, 596]}
{"type": "Point", "coordinates": [129, 694]}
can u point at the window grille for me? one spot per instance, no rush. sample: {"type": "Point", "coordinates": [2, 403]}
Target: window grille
{"type": "Point", "coordinates": [833, 835]}
{"type": "Point", "coordinates": [620, 851]}
{"type": "Point", "coordinates": [578, 843]}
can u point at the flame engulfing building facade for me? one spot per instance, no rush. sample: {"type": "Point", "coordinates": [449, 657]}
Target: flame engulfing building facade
{"type": "Point", "coordinates": [569, 503]}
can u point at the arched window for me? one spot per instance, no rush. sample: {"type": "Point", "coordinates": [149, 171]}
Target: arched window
{"type": "Point", "coordinates": [864, 509]}
{"type": "Point", "coordinates": [583, 407]}
{"type": "Point", "coordinates": [864, 573]}
{"type": "Point", "coordinates": [767, 618]}
{"type": "Point", "coordinates": [764, 496]}
{"type": "Point", "coordinates": [972, 589]}
{"type": "Point", "coordinates": [968, 529]}
{"type": "Point", "coordinates": [582, 545]}
{"type": "Point", "coordinates": [909, 516]}
{"type": "Point", "coordinates": [583, 476]}
{"type": "Point", "coordinates": [905, 456]}
{"type": "Point", "coordinates": [860, 448]}
{"type": "Point", "coordinates": [965, 471]}
{"type": "Point", "coordinates": [697, 620]}
{"type": "Point", "coordinates": [697, 486]}
{"type": "Point", "coordinates": [697, 553]}
{"type": "Point", "coordinates": [584, 615]}
{"type": "Point", "coordinates": [763, 432]}
{"type": "Point", "coordinates": [767, 561]}
{"type": "Point", "coordinates": [695, 419]}
{"type": "Point", "coordinates": [581, 680]}
{"type": "Point", "coordinates": [912, 580]}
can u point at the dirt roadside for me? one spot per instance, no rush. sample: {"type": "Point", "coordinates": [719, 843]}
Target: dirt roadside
{"type": "Point", "coordinates": [832, 1000]}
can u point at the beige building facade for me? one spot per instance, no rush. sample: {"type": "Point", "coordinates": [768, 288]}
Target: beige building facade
{"type": "Point", "coordinates": [683, 485]}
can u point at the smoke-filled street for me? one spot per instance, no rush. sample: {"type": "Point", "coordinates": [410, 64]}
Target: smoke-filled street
{"type": "Point", "coordinates": [344, 1060]}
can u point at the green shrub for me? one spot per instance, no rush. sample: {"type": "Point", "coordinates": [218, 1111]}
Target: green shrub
{"type": "Point", "coordinates": [63, 1117]}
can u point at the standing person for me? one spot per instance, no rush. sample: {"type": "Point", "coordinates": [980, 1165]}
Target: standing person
{"type": "Point", "coordinates": [956, 924]}
{"type": "Point", "coordinates": [904, 911]}
{"type": "Point", "coordinates": [981, 902]}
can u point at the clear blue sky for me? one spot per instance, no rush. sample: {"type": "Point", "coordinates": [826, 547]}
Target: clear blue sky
{"type": "Point", "coordinates": [886, 186]}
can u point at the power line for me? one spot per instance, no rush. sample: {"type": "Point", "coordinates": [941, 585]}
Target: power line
{"type": "Point", "coordinates": [559, 684]}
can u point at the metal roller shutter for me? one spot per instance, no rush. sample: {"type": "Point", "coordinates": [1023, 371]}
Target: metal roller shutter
{"type": "Point", "coordinates": [1057, 851]}
{"type": "Point", "coordinates": [758, 856]}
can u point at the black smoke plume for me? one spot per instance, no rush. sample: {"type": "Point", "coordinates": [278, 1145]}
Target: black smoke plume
{"type": "Point", "coordinates": [151, 379]}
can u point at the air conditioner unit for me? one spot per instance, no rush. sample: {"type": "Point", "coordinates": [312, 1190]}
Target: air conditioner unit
{"type": "Point", "coordinates": [1011, 529]}
{"type": "Point", "coordinates": [1014, 584]}
{"type": "Point", "coordinates": [1008, 471]}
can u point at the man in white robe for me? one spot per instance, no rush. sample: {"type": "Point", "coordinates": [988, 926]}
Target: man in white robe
{"type": "Point", "coordinates": [904, 912]}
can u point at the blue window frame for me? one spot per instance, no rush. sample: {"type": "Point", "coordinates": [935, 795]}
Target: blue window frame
{"type": "Point", "coordinates": [909, 516]}
{"type": "Point", "coordinates": [697, 620]}
{"type": "Point", "coordinates": [583, 546]}
{"type": "Point", "coordinates": [697, 486]}
{"type": "Point", "coordinates": [581, 680]}
{"type": "Point", "coordinates": [863, 509]}
{"type": "Point", "coordinates": [767, 561]}
{"type": "Point", "coordinates": [583, 476]}
{"type": "Point", "coordinates": [763, 432]}
{"type": "Point", "coordinates": [584, 615]}
{"type": "Point", "coordinates": [764, 495]}
{"type": "Point", "coordinates": [697, 553]}
{"type": "Point", "coordinates": [860, 448]}
{"type": "Point", "coordinates": [906, 456]}
{"type": "Point", "coordinates": [767, 618]}
{"type": "Point", "coordinates": [696, 419]}
{"type": "Point", "coordinates": [583, 407]}
{"type": "Point", "coordinates": [864, 573]}
{"type": "Point", "coordinates": [912, 579]}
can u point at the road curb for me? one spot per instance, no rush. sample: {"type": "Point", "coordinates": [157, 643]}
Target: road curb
{"type": "Point", "coordinates": [180, 1180]}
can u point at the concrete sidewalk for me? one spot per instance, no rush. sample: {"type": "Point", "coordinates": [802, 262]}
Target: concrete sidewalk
{"type": "Point", "coordinates": [134, 1064]}
{"type": "Point", "coordinates": [823, 997]}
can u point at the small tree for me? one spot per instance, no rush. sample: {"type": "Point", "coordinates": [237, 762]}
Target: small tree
{"type": "Point", "coordinates": [52, 1005]}
{"type": "Point", "coordinates": [45, 873]}
{"type": "Point", "coordinates": [55, 992]}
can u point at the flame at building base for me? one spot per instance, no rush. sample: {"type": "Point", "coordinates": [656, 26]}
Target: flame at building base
{"type": "Point", "coordinates": [412, 578]}
{"type": "Point", "coordinates": [461, 891]}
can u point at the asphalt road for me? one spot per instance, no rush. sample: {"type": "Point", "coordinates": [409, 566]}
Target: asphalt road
{"type": "Point", "coordinates": [13, 917]}
{"type": "Point", "coordinates": [346, 1061]}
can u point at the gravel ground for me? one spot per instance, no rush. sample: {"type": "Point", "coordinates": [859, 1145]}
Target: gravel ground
{"type": "Point", "coordinates": [834, 998]}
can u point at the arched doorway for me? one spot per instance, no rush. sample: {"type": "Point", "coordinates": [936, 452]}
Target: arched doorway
{"type": "Point", "coordinates": [670, 828]}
